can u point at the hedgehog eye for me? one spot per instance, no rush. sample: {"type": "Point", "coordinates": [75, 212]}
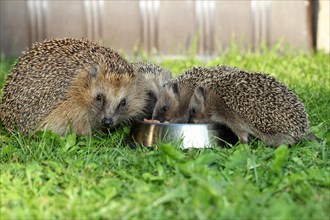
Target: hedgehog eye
{"type": "Point", "coordinates": [152, 96]}
{"type": "Point", "coordinates": [192, 112]}
{"type": "Point", "coordinates": [99, 97]}
{"type": "Point", "coordinates": [123, 102]}
{"type": "Point", "coordinates": [164, 108]}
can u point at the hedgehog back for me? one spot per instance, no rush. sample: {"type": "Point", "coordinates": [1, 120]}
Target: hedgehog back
{"type": "Point", "coordinates": [194, 76]}
{"type": "Point", "coordinates": [263, 101]}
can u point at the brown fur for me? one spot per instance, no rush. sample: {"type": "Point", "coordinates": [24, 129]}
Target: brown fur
{"type": "Point", "coordinates": [251, 104]}
{"type": "Point", "coordinates": [54, 85]}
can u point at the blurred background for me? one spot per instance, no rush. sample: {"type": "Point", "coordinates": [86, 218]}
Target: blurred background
{"type": "Point", "coordinates": [167, 27]}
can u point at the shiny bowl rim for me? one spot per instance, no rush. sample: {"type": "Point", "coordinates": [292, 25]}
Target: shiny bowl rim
{"type": "Point", "coordinates": [208, 125]}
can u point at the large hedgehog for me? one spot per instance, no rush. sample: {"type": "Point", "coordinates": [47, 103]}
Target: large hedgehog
{"type": "Point", "coordinates": [173, 102]}
{"type": "Point", "coordinates": [250, 104]}
{"type": "Point", "coordinates": [155, 76]}
{"type": "Point", "coordinates": [63, 84]}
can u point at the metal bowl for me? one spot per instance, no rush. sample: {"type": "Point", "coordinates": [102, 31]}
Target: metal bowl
{"type": "Point", "coordinates": [186, 135]}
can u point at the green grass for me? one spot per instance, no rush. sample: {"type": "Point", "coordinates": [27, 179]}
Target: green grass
{"type": "Point", "coordinates": [99, 177]}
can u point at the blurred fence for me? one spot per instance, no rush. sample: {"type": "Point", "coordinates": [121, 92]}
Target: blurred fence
{"type": "Point", "coordinates": [164, 27]}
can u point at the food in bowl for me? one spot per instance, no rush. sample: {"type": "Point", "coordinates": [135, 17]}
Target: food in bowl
{"type": "Point", "coordinates": [155, 121]}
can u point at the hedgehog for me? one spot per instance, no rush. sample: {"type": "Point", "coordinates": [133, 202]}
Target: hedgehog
{"type": "Point", "coordinates": [71, 85]}
{"type": "Point", "coordinates": [250, 104]}
{"type": "Point", "coordinates": [173, 102]}
{"type": "Point", "coordinates": [155, 77]}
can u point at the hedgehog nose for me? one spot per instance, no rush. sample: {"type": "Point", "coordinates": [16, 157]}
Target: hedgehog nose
{"type": "Point", "coordinates": [161, 119]}
{"type": "Point", "coordinates": [107, 122]}
{"type": "Point", "coordinates": [190, 120]}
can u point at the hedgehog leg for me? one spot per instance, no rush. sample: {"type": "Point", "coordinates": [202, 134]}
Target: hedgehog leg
{"type": "Point", "coordinates": [55, 127]}
{"type": "Point", "coordinates": [244, 138]}
{"type": "Point", "coordinates": [83, 128]}
{"type": "Point", "coordinates": [61, 121]}
{"type": "Point", "coordinates": [242, 135]}
{"type": "Point", "coordinates": [313, 137]}
{"type": "Point", "coordinates": [276, 139]}
{"type": "Point", "coordinates": [66, 125]}
{"type": "Point", "coordinates": [237, 126]}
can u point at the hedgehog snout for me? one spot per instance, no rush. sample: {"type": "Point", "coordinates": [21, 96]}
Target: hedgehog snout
{"type": "Point", "coordinates": [159, 117]}
{"type": "Point", "coordinates": [107, 122]}
{"type": "Point", "coordinates": [190, 120]}
{"type": "Point", "coordinates": [192, 113]}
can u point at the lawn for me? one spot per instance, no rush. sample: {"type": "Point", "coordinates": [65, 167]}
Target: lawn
{"type": "Point", "coordinates": [100, 176]}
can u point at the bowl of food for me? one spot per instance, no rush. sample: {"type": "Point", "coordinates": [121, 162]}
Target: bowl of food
{"type": "Point", "coordinates": [150, 133]}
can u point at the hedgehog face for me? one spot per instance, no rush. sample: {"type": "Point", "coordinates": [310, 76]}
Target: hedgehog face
{"type": "Point", "coordinates": [116, 99]}
{"type": "Point", "coordinates": [199, 105]}
{"type": "Point", "coordinates": [154, 85]}
{"type": "Point", "coordinates": [125, 102]}
{"type": "Point", "coordinates": [166, 108]}
{"type": "Point", "coordinates": [154, 77]}
{"type": "Point", "coordinates": [152, 93]}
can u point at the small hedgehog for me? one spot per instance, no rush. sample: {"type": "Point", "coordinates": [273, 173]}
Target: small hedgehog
{"type": "Point", "coordinates": [63, 84]}
{"type": "Point", "coordinates": [155, 77]}
{"type": "Point", "coordinates": [250, 104]}
{"type": "Point", "coordinates": [173, 102]}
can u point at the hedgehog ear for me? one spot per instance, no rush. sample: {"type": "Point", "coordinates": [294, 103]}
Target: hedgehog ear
{"type": "Point", "coordinates": [175, 88]}
{"type": "Point", "coordinates": [201, 92]}
{"type": "Point", "coordinates": [94, 71]}
{"type": "Point", "coordinates": [166, 74]}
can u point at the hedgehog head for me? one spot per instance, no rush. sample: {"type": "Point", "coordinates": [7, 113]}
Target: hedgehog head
{"type": "Point", "coordinates": [172, 103]}
{"type": "Point", "coordinates": [113, 98]}
{"type": "Point", "coordinates": [199, 109]}
{"type": "Point", "coordinates": [154, 77]}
